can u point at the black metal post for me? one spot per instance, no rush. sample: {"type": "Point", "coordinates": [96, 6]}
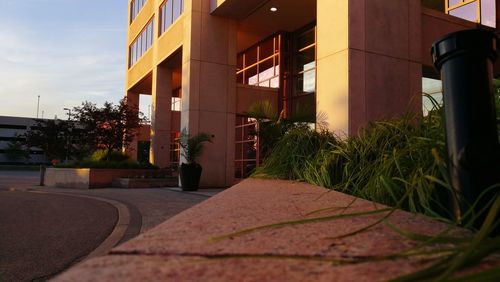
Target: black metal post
{"type": "Point", "coordinates": [465, 59]}
{"type": "Point", "coordinates": [42, 175]}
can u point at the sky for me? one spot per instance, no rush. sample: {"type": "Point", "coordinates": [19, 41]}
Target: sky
{"type": "Point", "coordinates": [66, 51]}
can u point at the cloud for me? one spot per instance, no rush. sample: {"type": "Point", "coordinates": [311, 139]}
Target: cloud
{"type": "Point", "coordinates": [77, 61]}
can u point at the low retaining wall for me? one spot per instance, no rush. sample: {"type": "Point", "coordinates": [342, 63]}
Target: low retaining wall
{"type": "Point", "coordinates": [87, 178]}
{"type": "Point", "coordinates": [185, 248]}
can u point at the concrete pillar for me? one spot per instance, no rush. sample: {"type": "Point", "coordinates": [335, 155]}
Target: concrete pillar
{"type": "Point", "coordinates": [132, 99]}
{"type": "Point", "coordinates": [160, 117]}
{"type": "Point", "coordinates": [368, 61]}
{"type": "Point", "coordinates": [209, 88]}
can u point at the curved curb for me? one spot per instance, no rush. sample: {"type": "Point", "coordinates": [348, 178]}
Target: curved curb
{"type": "Point", "coordinates": [118, 231]}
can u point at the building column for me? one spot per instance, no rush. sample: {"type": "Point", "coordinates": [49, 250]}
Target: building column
{"type": "Point", "coordinates": [368, 61]}
{"type": "Point", "coordinates": [159, 153]}
{"type": "Point", "coordinates": [209, 89]}
{"type": "Point", "coordinates": [132, 100]}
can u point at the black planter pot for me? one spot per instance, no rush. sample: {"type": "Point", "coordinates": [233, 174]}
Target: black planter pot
{"type": "Point", "coordinates": [190, 175]}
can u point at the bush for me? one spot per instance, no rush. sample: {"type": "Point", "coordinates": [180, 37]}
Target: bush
{"type": "Point", "coordinates": [108, 164]}
{"type": "Point", "coordinates": [387, 162]}
{"type": "Point", "coordinates": [114, 156]}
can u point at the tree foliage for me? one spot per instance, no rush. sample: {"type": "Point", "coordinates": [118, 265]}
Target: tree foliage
{"type": "Point", "coordinates": [16, 151]}
{"type": "Point", "coordinates": [110, 128]}
{"type": "Point", "coordinates": [51, 136]}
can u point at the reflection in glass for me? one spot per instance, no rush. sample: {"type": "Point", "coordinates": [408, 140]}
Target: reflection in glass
{"type": "Point", "coordinates": [259, 65]}
{"type": "Point", "coordinates": [433, 88]}
{"type": "Point", "coordinates": [170, 10]}
{"type": "Point", "coordinates": [141, 44]}
{"type": "Point", "coordinates": [467, 12]}
{"type": "Point", "coordinates": [479, 11]}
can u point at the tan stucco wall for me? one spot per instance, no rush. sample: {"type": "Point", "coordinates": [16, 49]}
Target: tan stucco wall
{"type": "Point", "coordinates": [209, 88]}
{"type": "Point", "coordinates": [368, 68]}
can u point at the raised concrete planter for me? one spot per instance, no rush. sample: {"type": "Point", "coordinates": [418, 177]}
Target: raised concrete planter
{"type": "Point", "coordinates": [145, 182]}
{"type": "Point", "coordinates": [87, 178]}
{"type": "Point", "coordinates": [183, 248]}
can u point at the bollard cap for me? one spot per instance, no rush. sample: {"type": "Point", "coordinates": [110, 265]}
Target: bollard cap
{"type": "Point", "coordinates": [480, 42]}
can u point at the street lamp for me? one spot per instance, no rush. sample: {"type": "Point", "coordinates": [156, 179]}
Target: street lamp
{"type": "Point", "coordinates": [69, 113]}
{"type": "Point", "coordinates": [68, 135]}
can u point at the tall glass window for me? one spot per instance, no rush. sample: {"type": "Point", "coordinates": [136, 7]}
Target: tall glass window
{"type": "Point", "coordinates": [259, 65]}
{"type": "Point", "coordinates": [170, 10]}
{"type": "Point", "coordinates": [135, 8]}
{"type": "Point", "coordinates": [479, 11]}
{"type": "Point", "coordinates": [305, 63]}
{"type": "Point", "coordinates": [246, 155]}
{"type": "Point", "coordinates": [177, 100]}
{"type": "Point", "coordinates": [142, 43]}
{"type": "Point", "coordinates": [175, 148]}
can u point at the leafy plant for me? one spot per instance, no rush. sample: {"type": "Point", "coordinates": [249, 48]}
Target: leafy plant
{"type": "Point", "coordinates": [107, 164]}
{"type": "Point", "coordinates": [272, 126]}
{"type": "Point", "coordinates": [384, 162]}
{"type": "Point", "coordinates": [114, 156]}
{"type": "Point", "coordinates": [192, 147]}
{"type": "Point", "coordinates": [52, 136]}
{"type": "Point", "coordinates": [111, 127]}
{"type": "Point", "coordinates": [16, 151]}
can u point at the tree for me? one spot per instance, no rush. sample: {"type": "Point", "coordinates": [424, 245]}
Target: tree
{"type": "Point", "coordinates": [16, 151]}
{"type": "Point", "coordinates": [111, 127]}
{"type": "Point", "coordinates": [51, 136]}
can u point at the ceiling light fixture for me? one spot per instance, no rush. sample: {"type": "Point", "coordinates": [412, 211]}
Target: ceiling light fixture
{"type": "Point", "coordinates": [273, 9]}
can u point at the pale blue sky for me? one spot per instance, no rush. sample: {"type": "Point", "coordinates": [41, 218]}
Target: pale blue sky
{"type": "Point", "coordinates": [66, 51]}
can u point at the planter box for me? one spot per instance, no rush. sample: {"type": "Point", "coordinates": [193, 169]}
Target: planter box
{"type": "Point", "coordinates": [145, 182]}
{"type": "Point", "coordinates": [88, 178]}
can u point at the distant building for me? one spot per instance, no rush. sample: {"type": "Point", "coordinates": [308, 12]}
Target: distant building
{"type": "Point", "coordinates": [204, 62]}
{"type": "Point", "coordinates": [11, 129]}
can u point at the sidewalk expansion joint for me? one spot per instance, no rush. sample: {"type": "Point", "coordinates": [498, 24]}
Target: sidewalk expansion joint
{"type": "Point", "coordinates": [343, 260]}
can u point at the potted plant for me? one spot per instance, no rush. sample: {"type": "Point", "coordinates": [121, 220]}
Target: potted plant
{"type": "Point", "coordinates": [192, 147]}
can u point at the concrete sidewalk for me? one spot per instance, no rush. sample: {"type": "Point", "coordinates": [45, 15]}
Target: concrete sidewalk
{"type": "Point", "coordinates": [185, 248]}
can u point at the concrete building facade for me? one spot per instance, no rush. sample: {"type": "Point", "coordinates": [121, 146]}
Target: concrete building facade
{"type": "Point", "coordinates": [12, 129]}
{"type": "Point", "coordinates": [204, 62]}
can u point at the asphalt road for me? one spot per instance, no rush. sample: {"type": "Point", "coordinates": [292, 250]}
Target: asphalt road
{"type": "Point", "coordinates": [10, 179]}
{"type": "Point", "coordinates": [42, 234]}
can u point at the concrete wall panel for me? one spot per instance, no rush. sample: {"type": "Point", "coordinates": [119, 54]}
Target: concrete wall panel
{"type": "Point", "coordinates": [387, 27]}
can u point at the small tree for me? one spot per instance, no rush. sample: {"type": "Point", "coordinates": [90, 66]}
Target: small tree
{"type": "Point", "coordinates": [16, 151]}
{"type": "Point", "coordinates": [51, 136]}
{"type": "Point", "coordinates": [111, 127]}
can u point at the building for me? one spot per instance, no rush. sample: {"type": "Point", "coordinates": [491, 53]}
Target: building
{"type": "Point", "coordinates": [354, 61]}
{"type": "Point", "coordinates": [12, 129]}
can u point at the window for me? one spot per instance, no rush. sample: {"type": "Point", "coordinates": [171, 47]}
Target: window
{"type": "Point", "coordinates": [170, 10]}
{"type": "Point", "coordinates": [433, 93]}
{"type": "Point", "coordinates": [136, 7]}
{"type": "Point", "coordinates": [176, 100]}
{"type": "Point", "coordinates": [12, 126]}
{"type": "Point", "coordinates": [141, 44]}
{"type": "Point", "coordinates": [175, 148]}
{"type": "Point", "coordinates": [259, 65]}
{"type": "Point", "coordinates": [305, 63]}
{"type": "Point", "coordinates": [479, 11]}
{"type": "Point", "coordinates": [246, 155]}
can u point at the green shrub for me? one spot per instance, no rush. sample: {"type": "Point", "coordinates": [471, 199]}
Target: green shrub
{"type": "Point", "coordinates": [289, 157]}
{"type": "Point", "coordinates": [386, 162]}
{"type": "Point", "coordinates": [114, 156]}
{"type": "Point", "coordinates": [108, 164]}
